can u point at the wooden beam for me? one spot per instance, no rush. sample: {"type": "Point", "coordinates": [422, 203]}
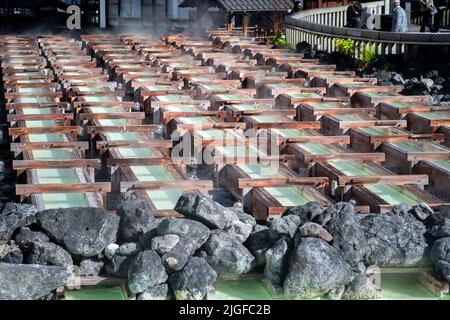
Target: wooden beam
{"type": "Point", "coordinates": [166, 185]}
{"type": "Point", "coordinates": [46, 164]}
{"type": "Point", "coordinates": [27, 189]}
{"type": "Point", "coordinates": [420, 179]}
{"type": "Point", "coordinates": [27, 146]}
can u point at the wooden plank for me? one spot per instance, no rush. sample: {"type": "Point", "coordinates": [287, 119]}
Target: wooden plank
{"type": "Point", "coordinates": [39, 130]}
{"type": "Point", "coordinates": [167, 185]}
{"type": "Point", "coordinates": [280, 182]}
{"type": "Point", "coordinates": [28, 146]}
{"type": "Point", "coordinates": [46, 164]}
{"type": "Point", "coordinates": [420, 179]}
{"type": "Point", "coordinates": [27, 189]}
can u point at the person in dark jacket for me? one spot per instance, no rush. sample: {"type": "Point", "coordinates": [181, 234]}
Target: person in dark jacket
{"type": "Point", "coordinates": [441, 6]}
{"type": "Point", "coordinates": [354, 15]}
{"type": "Point", "coordinates": [426, 7]}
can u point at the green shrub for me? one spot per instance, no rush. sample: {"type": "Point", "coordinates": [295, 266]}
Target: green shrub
{"type": "Point", "coordinates": [346, 47]}
{"type": "Point", "coordinates": [368, 55]}
{"type": "Point", "coordinates": [280, 40]}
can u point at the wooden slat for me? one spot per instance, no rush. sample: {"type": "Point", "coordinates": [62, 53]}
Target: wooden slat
{"type": "Point", "coordinates": [421, 179]}
{"type": "Point", "coordinates": [46, 164]}
{"type": "Point", "coordinates": [27, 189]}
{"type": "Point", "coordinates": [26, 146]}
{"type": "Point", "coordinates": [166, 185]}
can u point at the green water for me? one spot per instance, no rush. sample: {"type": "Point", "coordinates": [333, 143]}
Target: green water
{"type": "Point", "coordinates": [327, 105]}
{"type": "Point", "coordinates": [174, 98]}
{"type": "Point", "coordinates": [445, 164]}
{"type": "Point", "coordinates": [268, 119]}
{"type": "Point", "coordinates": [290, 196]}
{"type": "Point", "coordinates": [240, 290]}
{"type": "Point", "coordinates": [318, 148]}
{"type": "Point", "coordinates": [195, 120]}
{"type": "Point", "coordinates": [394, 194]}
{"type": "Point", "coordinates": [232, 97]}
{"type": "Point", "coordinates": [96, 293]}
{"type": "Point", "coordinates": [34, 100]}
{"type": "Point", "coordinates": [217, 87]}
{"type": "Point", "coordinates": [258, 171]}
{"type": "Point", "coordinates": [31, 81]}
{"type": "Point", "coordinates": [136, 153]}
{"type": "Point", "coordinates": [437, 115]}
{"type": "Point", "coordinates": [104, 110]}
{"type": "Point", "coordinates": [122, 136]}
{"type": "Point", "coordinates": [45, 137]}
{"type": "Point", "coordinates": [96, 99]}
{"type": "Point", "coordinates": [211, 134]}
{"type": "Point", "coordinates": [113, 122]}
{"type": "Point", "coordinates": [418, 146]}
{"type": "Point", "coordinates": [159, 87]}
{"type": "Point", "coordinates": [382, 131]}
{"type": "Point", "coordinates": [400, 104]}
{"type": "Point", "coordinates": [40, 123]}
{"type": "Point", "coordinates": [52, 176]}
{"type": "Point", "coordinates": [64, 200]}
{"type": "Point", "coordinates": [402, 286]}
{"type": "Point", "coordinates": [181, 108]}
{"type": "Point", "coordinates": [381, 94]}
{"type": "Point", "coordinates": [37, 111]}
{"type": "Point", "coordinates": [353, 117]}
{"type": "Point", "coordinates": [304, 95]}
{"type": "Point", "coordinates": [54, 154]}
{"type": "Point", "coordinates": [290, 133]}
{"type": "Point", "coordinates": [354, 168]}
{"type": "Point", "coordinates": [32, 90]}
{"type": "Point", "coordinates": [164, 200]}
{"type": "Point", "coordinates": [286, 86]}
{"type": "Point", "coordinates": [152, 173]}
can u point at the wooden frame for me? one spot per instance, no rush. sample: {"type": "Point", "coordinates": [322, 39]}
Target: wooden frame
{"type": "Point", "coordinates": [341, 123]}
{"type": "Point", "coordinates": [315, 111]}
{"type": "Point", "coordinates": [428, 122]}
{"type": "Point", "coordinates": [438, 172]}
{"type": "Point", "coordinates": [372, 99]}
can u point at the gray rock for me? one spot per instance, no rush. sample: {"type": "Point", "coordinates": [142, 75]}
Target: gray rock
{"type": "Point", "coordinates": [258, 243]}
{"type": "Point", "coordinates": [307, 212]}
{"type": "Point", "coordinates": [193, 281]}
{"type": "Point", "coordinates": [311, 229]}
{"type": "Point", "coordinates": [178, 256]}
{"type": "Point", "coordinates": [110, 250]}
{"type": "Point", "coordinates": [26, 237]}
{"type": "Point", "coordinates": [239, 229]}
{"type": "Point", "coordinates": [336, 293]}
{"type": "Point", "coordinates": [361, 288]}
{"type": "Point", "coordinates": [13, 256]}
{"type": "Point", "coordinates": [348, 235]}
{"type": "Point", "coordinates": [226, 254]}
{"type": "Point", "coordinates": [91, 268]}
{"type": "Point", "coordinates": [394, 239]}
{"type": "Point", "coordinates": [440, 256]}
{"type": "Point", "coordinates": [164, 244]}
{"type": "Point", "coordinates": [15, 216]}
{"type": "Point", "coordinates": [47, 253]}
{"type": "Point", "coordinates": [119, 266]}
{"type": "Point", "coordinates": [422, 211]}
{"type": "Point", "coordinates": [315, 269]}
{"type": "Point", "coordinates": [28, 282]}
{"type": "Point", "coordinates": [82, 231]}
{"type": "Point", "coordinates": [150, 231]}
{"type": "Point", "coordinates": [397, 79]}
{"type": "Point", "coordinates": [244, 217]}
{"type": "Point", "coordinates": [129, 248]}
{"type": "Point", "coordinates": [201, 208]}
{"type": "Point", "coordinates": [439, 223]}
{"type": "Point", "coordinates": [159, 292]}
{"type": "Point", "coordinates": [193, 230]}
{"type": "Point", "coordinates": [146, 271]}
{"type": "Point", "coordinates": [277, 261]}
{"type": "Point", "coordinates": [284, 226]}
{"type": "Point", "coordinates": [135, 215]}
{"type": "Point", "coordinates": [428, 82]}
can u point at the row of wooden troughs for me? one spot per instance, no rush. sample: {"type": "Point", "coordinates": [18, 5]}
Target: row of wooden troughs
{"type": "Point", "coordinates": [109, 106]}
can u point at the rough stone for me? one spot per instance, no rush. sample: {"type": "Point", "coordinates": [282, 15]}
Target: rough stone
{"type": "Point", "coordinates": [205, 210]}
{"type": "Point", "coordinates": [311, 229]}
{"type": "Point", "coordinates": [193, 281]}
{"type": "Point", "coordinates": [226, 254]}
{"type": "Point", "coordinates": [30, 282]}
{"type": "Point", "coordinates": [315, 269]}
{"type": "Point", "coordinates": [440, 256]}
{"type": "Point", "coordinates": [307, 212]}
{"type": "Point", "coordinates": [149, 233]}
{"type": "Point", "coordinates": [110, 250]}
{"type": "Point", "coordinates": [159, 292]}
{"type": "Point", "coordinates": [422, 211]}
{"type": "Point", "coordinates": [82, 231]}
{"type": "Point", "coordinates": [258, 243]}
{"type": "Point", "coordinates": [146, 271]}
{"type": "Point", "coordinates": [239, 229]}
{"type": "Point", "coordinates": [119, 266]}
{"type": "Point", "coordinates": [277, 261]}
{"type": "Point", "coordinates": [47, 253]}
{"type": "Point", "coordinates": [15, 216]}
{"type": "Point", "coordinates": [284, 226]}
{"type": "Point", "coordinates": [129, 248]}
{"type": "Point", "coordinates": [91, 268]}
{"type": "Point", "coordinates": [135, 215]}
{"type": "Point", "coordinates": [439, 223]}
{"type": "Point", "coordinates": [361, 288]}
{"type": "Point", "coordinates": [164, 244]}
{"type": "Point", "coordinates": [26, 237]}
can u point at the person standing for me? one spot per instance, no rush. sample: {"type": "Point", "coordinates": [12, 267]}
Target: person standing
{"type": "Point", "coordinates": [428, 10]}
{"type": "Point", "coordinates": [399, 20]}
{"type": "Point", "coordinates": [354, 15]}
{"type": "Point", "coordinates": [441, 6]}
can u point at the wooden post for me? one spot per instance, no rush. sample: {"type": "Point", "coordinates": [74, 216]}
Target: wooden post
{"type": "Point", "coordinates": [245, 24]}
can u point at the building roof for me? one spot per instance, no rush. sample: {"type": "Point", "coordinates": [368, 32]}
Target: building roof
{"type": "Point", "coordinates": [246, 5]}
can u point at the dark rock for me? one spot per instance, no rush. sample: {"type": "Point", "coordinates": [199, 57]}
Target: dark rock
{"type": "Point", "coordinates": [91, 268]}
{"type": "Point", "coordinates": [307, 212]}
{"type": "Point", "coordinates": [383, 77]}
{"type": "Point", "coordinates": [135, 215]}
{"type": "Point", "coordinates": [239, 229]}
{"type": "Point", "coordinates": [159, 292]}
{"type": "Point", "coordinates": [193, 230]}
{"type": "Point", "coordinates": [440, 256]}
{"type": "Point", "coordinates": [26, 237]}
{"type": "Point", "coordinates": [205, 210]}
{"type": "Point", "coordinates": [119, 266]}
{"type": "Point", "coordinates": [129, 248]}
{"type": "Point", "coordinates": [439, 81]}
{"type": "Point", "coordinates": [47, 253]}
{"type": "Point", "coordinates": [415, 88]}
{"type": "Point", "coordinates": [178, 256]}
{"type": "Point", "coordinates": [361, 288]}
{"type": "Point", "coordinates": [422, 211]}
{"type": "Point", "coordinates": [28, 282]}
{"type": "Point", "coordinates": [164, 244]}
{"type": "Point", "coordinates": [397, 79]}
{"type": "Point", "coordinates": [315, 269]}
{"type": "Point", "coordinates": [311, 229]}
{"type": "Point", "coordinates": [439, 222]}
{"type": "Point", "coordinates": [226, 254]}
{"type": "Point", "coordinates": [348, 236]}
{"type": "Point", "coordinates": [431, 74]}
{"type": "Point", "coordinates": [10, 253]}
{"type": "Point", "coordinates": [284, 226]}
{"type": "Point", "coordinates": [149, 233]}
{"type": "Point", "coordinates": [303, 47]}
{"type": "Point", "coordinates": [277, 261]}
{"type": "Point", "coordinates": [244, 217]}
{"type": "Point", "coordinates": [258, 243]}
{"type": "Point", "coordinates": [146, 271]}
{"type": "Point", "coordinates": [15, 216]}
{"type": "Point", "coordinates": [193, 281]}
{"type": "Point", "coordinates": [394, 239]}
{"type": "Point", "coordinates": [82, 231]}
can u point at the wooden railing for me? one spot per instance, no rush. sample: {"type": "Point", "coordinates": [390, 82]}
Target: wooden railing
{"type": "Point", "coordinates": [322, 27]}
